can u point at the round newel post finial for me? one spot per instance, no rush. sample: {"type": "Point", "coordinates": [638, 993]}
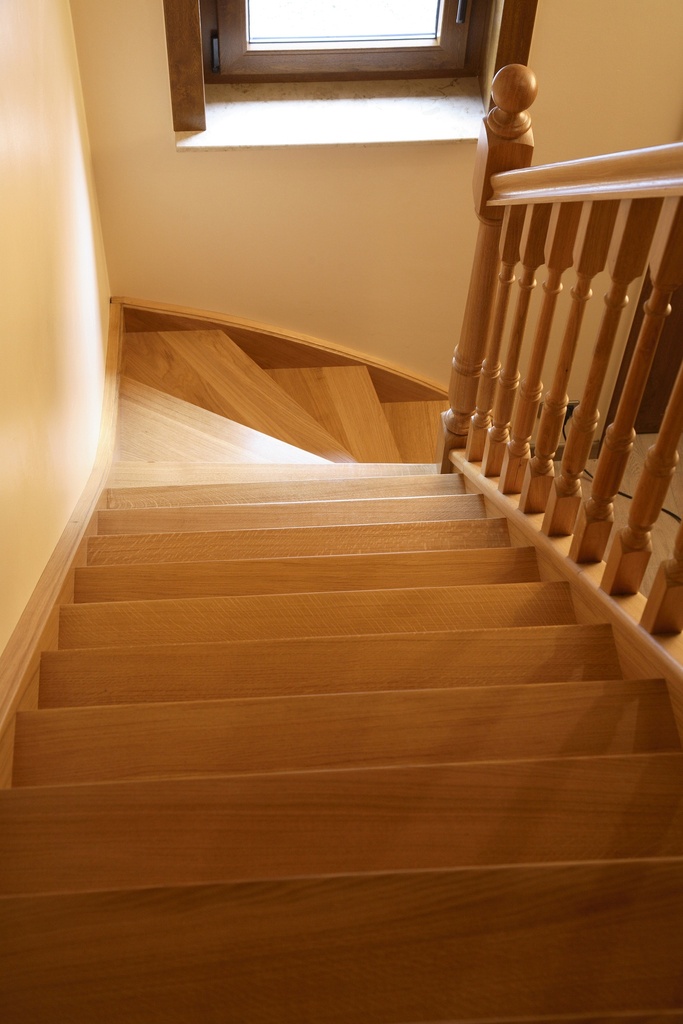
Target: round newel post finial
{"type": "Point", "coordinates": [514, 89]}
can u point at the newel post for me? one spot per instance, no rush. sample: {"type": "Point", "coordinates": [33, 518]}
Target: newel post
{"type": "Point", "coordinates": [505, 144]}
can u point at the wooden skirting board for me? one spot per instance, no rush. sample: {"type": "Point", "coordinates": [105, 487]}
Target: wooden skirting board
{"type": "Point", "coordinates": [37, 629]}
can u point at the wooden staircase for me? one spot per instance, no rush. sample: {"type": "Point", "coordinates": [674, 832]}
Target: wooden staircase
{"type": "Point", "coordinates": [320, 744]}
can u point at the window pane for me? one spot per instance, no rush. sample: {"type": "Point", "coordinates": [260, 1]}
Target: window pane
{"type": "Point", "coordinates": [280, 21]}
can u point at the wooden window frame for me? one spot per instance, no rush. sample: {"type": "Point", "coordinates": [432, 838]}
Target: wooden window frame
{"type": "Point", "coordinates": [242, 62]}
{"type": "Point", "coordinates": [189, 43]}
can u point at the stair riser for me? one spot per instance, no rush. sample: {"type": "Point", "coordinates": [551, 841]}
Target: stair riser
{"type": "Point", "coordinates": [136, 475]}
{"type": "Point", "coordinates": [403, 948]}
{"type": "Point", "coordinates": [207, 620]}
{"type": "Point", "coordinates": [319, 490]}
{"type": "Point", "coordinates": [291, 514]}
{"type": "Point", "coordinates": [310, 541]}
{"type": "Point", "coordinates": [341, 731]}
{"type": "Point", "coordinates": [289, 667]}
{"type": "Point", "coordinates": [287, 576]}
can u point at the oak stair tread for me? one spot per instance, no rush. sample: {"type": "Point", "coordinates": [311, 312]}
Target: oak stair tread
{"type": "Point", "coordinates": [152, 425]}
{"type": "Point", "coordinates": [276, 515]}
{"type": "Point", "coordinates": [446, 535]}
{"type": "Point", "coordinates": [120, 675]}
{"type": "Point", "coordinates": [401, 946]}
{"type": "Point", "coordinates": [280, 492]}
{"type": "Point", "coordinates": [416, 427]}
{"type": "Point", "coordinates": [334, 613]}
{"type": "Point", "coordinates": [209, 370]}
{"type": "Point", "coordinates": [166, 474]}
{"type": "Point", "coordinates": [342, 730]}
{"type": "Point", "coordinates": [157, 581]}
{"type": "Point", "coordinates": [344, 401]}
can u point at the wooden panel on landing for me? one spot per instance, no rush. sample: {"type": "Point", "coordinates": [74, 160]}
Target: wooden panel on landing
{"type": "Point", "coordinates": [117, 675]}
{"type": "Point", "coordinates": [274, 515]}
{"type": "Point", "coordinates": [281, 491]}
{"type": "Point", "coordinates": [274, 350]}
{"type": "Point", "coordinates": [416, 427]}
{"type": "Point", "coordinates": [207, 369]}
{"type": "Point", "coordinates": [213, 619]}
{"type": "Point", "coordinates": [344, 401]}
{"type": "Point", "coordinates": [300, 575]}
{"type": "Point", "coordinates": [70, 746]}
{"type": "Point", "coordinates": [152, 425]}
{"type": "Point", "coordinates": [450, 535]}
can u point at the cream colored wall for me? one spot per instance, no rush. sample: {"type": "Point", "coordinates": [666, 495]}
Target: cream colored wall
{"type": "Point", "coordinates": [54, 307]}
{"type": "Point", "coordinates": [365, 247]}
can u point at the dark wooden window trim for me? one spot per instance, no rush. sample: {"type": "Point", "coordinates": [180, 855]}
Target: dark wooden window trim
{"type": "Point", "coordinates": [189, 49]}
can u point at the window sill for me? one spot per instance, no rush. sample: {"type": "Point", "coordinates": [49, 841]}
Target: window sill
{"type": "Point", "coordinates": [337, 114]}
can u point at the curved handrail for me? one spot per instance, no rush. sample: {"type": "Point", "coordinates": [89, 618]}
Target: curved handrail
{"type": "Point", "coordinates": [637, 173]}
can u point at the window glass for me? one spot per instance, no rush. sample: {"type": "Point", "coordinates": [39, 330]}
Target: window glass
{"type": "Point", "coordinates": [290, 21]}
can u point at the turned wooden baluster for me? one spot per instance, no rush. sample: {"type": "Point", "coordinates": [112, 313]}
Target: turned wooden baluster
{"type": "Point", "coordinates": [627, 259]}
{"type": "Point", "coordinates": [498, 435]}
{"type": "Point", "coordinates": [513, 222]}
{"type": "Point", "coordinates": [632, 546]}
{"type": "Point", "coordinates": [505, 143]}
{"type": "Point", "coordinates": [595, 518]}
{"type": "Point", "coordinates": [590, 255]}
{"type": "Point", "coordinates": [664, 609]}
{"type": "Point", "coordinates": [564, 223]}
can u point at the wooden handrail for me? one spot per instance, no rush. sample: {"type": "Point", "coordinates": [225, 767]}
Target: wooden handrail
{"type": "Point", "coordinates": [635, 174]}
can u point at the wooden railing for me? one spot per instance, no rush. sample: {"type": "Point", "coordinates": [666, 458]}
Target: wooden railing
{"type": "Point", "coordinates": [622, 212]}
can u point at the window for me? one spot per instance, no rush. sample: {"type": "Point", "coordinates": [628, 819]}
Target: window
{"type": "Point", "coordinates": [259, 40]}
{"type": "Point", "coordinates": [473, 39]}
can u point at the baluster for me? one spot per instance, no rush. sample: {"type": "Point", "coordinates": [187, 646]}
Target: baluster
{"type": "Point", "coordinates": [533, 242]}
{"type": "Point", "coordinates": [632, 546]}
{"type": "Point", "coordinates": [664, 609]}
{"type": "Point", "coordinates": [596, 516]}
{"type": "Point", "coordinates": [627, 258]}
{"type": "Point", "coordinates": [505, 143]}
{"type": "Point", "coordinates": [564, 223]}
{"type": "Point", "coordinates": [513, 222]}
{"type": "Point", "coordinates": [590, 255]}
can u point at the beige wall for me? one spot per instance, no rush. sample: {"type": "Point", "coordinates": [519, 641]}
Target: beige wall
{"type": "Point", "coordinates": [53, 311]}
{"type": "Point", "coordinates": [365, 247]}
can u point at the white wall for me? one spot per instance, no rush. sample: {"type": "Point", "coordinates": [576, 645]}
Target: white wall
{"type": "Point", "coordinates": [54, 308]}
{"type": "Point", "coordinates": [364, 247]}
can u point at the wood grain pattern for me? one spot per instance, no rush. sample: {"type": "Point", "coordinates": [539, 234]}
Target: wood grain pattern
{"type": "Point", "coordinates": [272, 348]}
{"type": "Point", "coordinates": [299, 490]}
{"type": "Point", "coordinates": [157, 426]}
{"type": "Point", "coordinates": [296, 575]}
{"type": "Point", "coordinates": [344, 401]}
{"type": "Point", "coordinates": [207, 369]}
{"type": "Point", "coordinates": [505, 141]}
{"type": "Point", "coordinates": [199, 620]}
{"type": "Point", "coordinates": [186, 474]}
{"type": "Point", "coordinates": [117, 675]}
{"type": "Point", "coordinates": [186, 73]}
{"type": "Point", "coordinates": [562, 230]}
{"type": "Point", "coordinates": [332, 731]}
{"type": "Point", "coordinates": [510, 240]}
{"type": "Point", "coordinates": [635, 174]}
{"type": "Point", "coordinates": [278, 515]}
{"type": "Point", "coordinates": [405, 947]}
{"type": "Point", "coordinates": [640, 654]}
{"type": "Point", "coordinates": [416, 427]}
{"type": "Point", "coordinates": [324, 540]}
